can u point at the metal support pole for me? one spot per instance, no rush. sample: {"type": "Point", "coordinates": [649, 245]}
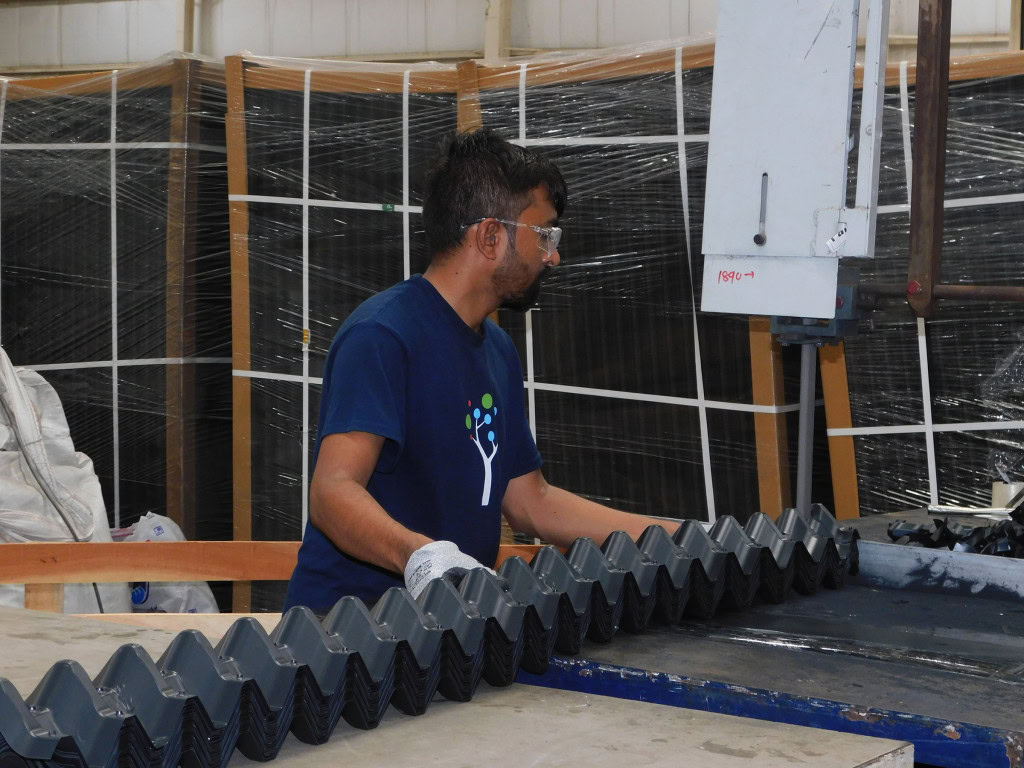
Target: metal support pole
{"type": "Point", "coordinates": [927, 190]}
{"type": "Point", "coordinates": [805, 435]}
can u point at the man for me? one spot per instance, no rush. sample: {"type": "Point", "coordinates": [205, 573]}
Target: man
{"type": "Point", "coordinates": [423, 441]}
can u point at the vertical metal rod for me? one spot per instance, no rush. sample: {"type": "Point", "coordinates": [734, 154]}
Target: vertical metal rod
{"type": "Point", "coordinates": [805, 435]}
{"type": "Point", "coordinates": [927, 192]}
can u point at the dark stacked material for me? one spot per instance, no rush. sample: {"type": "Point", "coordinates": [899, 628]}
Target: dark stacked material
{"type": "Point", "coordinates": [1005, 538]}
{"type": "Point", "coordinates": [114, 280]}
{"type": "Point", "coordinates": [973, 353]}
{"type": "Point", "coordinates": [197, 704]}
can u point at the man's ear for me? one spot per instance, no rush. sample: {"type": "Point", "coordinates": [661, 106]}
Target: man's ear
{"type": "Point", "coordinates": [489, 238]}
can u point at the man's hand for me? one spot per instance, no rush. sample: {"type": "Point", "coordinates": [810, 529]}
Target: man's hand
{"type": "Point", "coordinates": [433, 560]}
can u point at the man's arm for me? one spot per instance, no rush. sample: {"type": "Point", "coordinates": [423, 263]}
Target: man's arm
{"type": "Point", "coordinates": [342, 508]}
{"type": "Point", "coordinates": [534, 507]}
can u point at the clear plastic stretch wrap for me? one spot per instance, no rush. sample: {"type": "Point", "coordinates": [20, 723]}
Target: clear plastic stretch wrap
{"type": "Point", "coordinates": [114, 276]}
{"type": "Point", "coordinates": [636, 400]}
{"type": "Point", "coordinates": [948, 447]}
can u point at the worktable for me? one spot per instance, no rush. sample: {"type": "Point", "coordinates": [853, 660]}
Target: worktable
{"type": "Point", "coordinates": [500, 727]}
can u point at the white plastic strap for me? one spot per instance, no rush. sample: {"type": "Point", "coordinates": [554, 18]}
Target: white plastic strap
{"type": "Point", "coordinates": [3, 105]}
{"type": "Point", "coordinates": [643, 397]}
{"type": "Point", "coordinates": [530, 384]}
{"type": "Point", "coordinates": [407, 268]}
{"type": "Point", "coordinates": [905, 122]}
{"type": "Point", "coordinates": [137, 362]}
{"type": "Point", "coordinates": [920, 429]}
{"type": "Point", "coordinates": [112, 146]}
{"type": "Point", "coordinates": [705, 445]}
{"type": "Point", "coordinates": [305, 299]}
{"type": "Point", "coordinates": [106, 145]}
{"type": "Point", "coordinates": [594, 141]}
{"type": "Point", "coordinates": [294, 378]}
{"type": "Point", "coordinates": [926, 399]}
{"type": "Point", "coordinates": [313, 203]}
{"type": "Point", "coordinates": [961, 202]}
{"type": "Point", "coordinates": [522, 102]}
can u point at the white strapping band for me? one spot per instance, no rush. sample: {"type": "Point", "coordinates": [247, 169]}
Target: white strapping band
{"type": "Point", "coordinates": [112, 147]}
{"type": "Point", "coordinates": [107, 145]}
{"type": "Point", "coordinates": [314, 203]}
{"type": "Point", "coordinates": [705, 445]}
{"type": "Point", "coordinates": [920, 429]}
{"type": "Point", "coordinates": [406, 266]}
{"type": "Point", "coordinates": [305, 299]}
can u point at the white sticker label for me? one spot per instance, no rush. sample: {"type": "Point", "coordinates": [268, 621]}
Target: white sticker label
{"type": "Point", "coordinates": [835, 242]}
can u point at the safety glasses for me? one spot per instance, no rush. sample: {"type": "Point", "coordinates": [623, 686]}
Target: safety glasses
{"type": "Point", "coordinates": [547, 237]}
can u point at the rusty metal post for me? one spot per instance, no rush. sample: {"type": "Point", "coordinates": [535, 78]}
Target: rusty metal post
{"type": "Point", "coordinates": [927, 192]}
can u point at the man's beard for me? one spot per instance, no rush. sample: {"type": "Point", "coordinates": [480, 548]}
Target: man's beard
{"type": "Point", "coordinates": [511, 273]}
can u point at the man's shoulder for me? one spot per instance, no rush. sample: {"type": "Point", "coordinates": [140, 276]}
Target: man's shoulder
{"type": "Point", "coordinates": [391, 311]}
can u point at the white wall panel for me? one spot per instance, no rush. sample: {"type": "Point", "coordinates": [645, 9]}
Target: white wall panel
{"type": "Point", "coordinates": [637, 21]}
{"type": "Point", "coordinates": [291, 28]}
{"type": "Point", "coordinates": [152, 28]}
{"type": "Point", "coordinates": [243, 25]}
{"type": "Point", "coordinates": [577, 24]}
{"type": "Point", "coordinates": [329, 29]}
{"type": "Point", "coordinates": [440, 32]}
{"type": "Point", "coordinates": [93, 32]}
{"type": "Point", "coordinates": [703, 17]}
{"type": "Point", "coordinates": [9, 37]}
{"type": "Point", "coordinates": [49, 32]}
{"type": "Point", "coordinates": [38, 35]}
{"type": "Point", "coordinates": [679, 15]}
{"type": "Point", "coordinates": [381, 27]}
{"type": "Point", "coordinates": [977, 17]}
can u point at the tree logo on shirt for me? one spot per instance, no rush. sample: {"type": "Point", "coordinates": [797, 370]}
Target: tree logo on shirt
{"type": "Point", "coordinates": [483, 416]}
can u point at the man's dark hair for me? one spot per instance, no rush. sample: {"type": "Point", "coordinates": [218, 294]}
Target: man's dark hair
{"type": "Point", "coordinates": [480, 175]}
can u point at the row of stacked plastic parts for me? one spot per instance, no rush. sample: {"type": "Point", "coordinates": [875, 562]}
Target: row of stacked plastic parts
{"type": "Point", "coordinates": [197, 703]}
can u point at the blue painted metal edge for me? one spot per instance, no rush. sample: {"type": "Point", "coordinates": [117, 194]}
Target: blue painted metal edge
{"type": "Point", "coordinates": [938, 742]}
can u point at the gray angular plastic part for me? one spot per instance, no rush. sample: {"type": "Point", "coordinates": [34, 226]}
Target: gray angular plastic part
{"type": "Point", "coordinates": [797, 527]}
{"type": "Point", "coordinates": [656, 543]}
{"type": "Point", "coordinates": [554, 570]}
{"type": "Point", "coordinates": [822, 520]}
{"type": "Point", "coordinates": [764, 532]}
{"type": "Point", "coordinates": [92, 718]}
{"type": "Point", "coordinates": [493, 599]}
{"type": "Point", "coordinates": [623, 553]}
{"type": "Point", "coordinates": [157, 702]}
{"type": "Point", "coordinates": [396, 612]}
{"type": "Point", "coordinates": [727, 532]}
{"type": "Point", "coordinates": [32, 737]}
{"type": "Point", "coordinates": [441, 601]}
{"type": "Point", "coordinates": [587, 558]}
{"type": "Point", "coordinates": [272, 667]}
{"type": "Point", "coordinates": [526, 587]}
{"type": "Point", "coordinates": [301, 635]}
{"type": "Point", "coordinates": [352, 623]}
{"type": "Point", "coordinates": [215, 681]}
{"type": "Point", "coordinates": [692, 537]}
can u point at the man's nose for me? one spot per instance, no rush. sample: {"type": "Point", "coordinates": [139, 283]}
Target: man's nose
{"type": "Point", "coordinates": [554, 259]}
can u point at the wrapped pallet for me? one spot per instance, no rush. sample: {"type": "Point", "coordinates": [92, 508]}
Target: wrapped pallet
{"type": "Point", "coordinates": [114, 276]}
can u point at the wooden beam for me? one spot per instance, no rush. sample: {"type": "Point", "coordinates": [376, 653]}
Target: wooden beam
{"type": "Point", "coordinates": [79, 562]}
{"type": "Point", "coordinates": [241, 389]}
{"type": "Point", "coordinates": [45, 597]}
{"type": "Point", "coordinates": [770, 432]}
{"type": "Point", "coordinates": [841, 452]}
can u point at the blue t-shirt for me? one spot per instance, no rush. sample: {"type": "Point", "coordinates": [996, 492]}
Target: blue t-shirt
{"type": "Point", "coordinates": [449, 403]}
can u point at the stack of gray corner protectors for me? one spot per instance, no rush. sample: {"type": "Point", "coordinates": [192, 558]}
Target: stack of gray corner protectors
{"type": "Point", "coordinates": [197, 703]}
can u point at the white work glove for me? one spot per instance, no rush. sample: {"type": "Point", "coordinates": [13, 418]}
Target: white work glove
{"type": "Point", "coordinates": [433, 560]}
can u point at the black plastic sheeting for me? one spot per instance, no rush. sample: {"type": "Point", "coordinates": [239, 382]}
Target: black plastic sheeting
{"type": "Point", "coordinates": [197, 703]}
{"type": "Point", "coordinates": [1004, 538]}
